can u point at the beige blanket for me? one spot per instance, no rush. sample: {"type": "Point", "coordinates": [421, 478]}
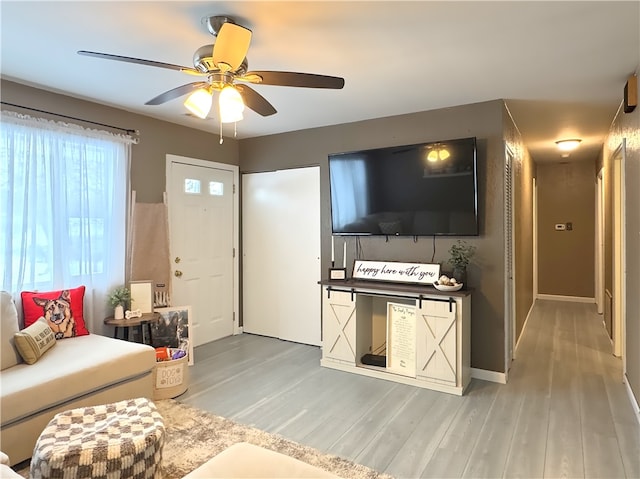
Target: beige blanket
{"type": "Point", "coordinates": [150, 245]}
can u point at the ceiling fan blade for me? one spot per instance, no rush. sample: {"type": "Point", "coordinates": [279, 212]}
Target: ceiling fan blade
{"type": "Point", "coordinates": [140, 61]}
{"type": "Point", "coordinates": [231, 46]}
{"type": "Point", "coordinates": [254, 100]}
{"type": "Point", "coordinates": [306, 80]}
{"type": "Point", "coordinates": [176, 92]}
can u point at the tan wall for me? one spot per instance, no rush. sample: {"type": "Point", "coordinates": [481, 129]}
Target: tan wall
{"type": "Point", "coordinates": [627, 125]}
{"type": "Point", "coordinates": [566, 193]}
{"type": "Point", "coordinates": [157, 138]}
{"type": "Point", "coordinates": [486, 273]}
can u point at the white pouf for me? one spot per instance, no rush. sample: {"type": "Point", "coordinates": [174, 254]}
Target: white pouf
{"type": "Point", "coordinates": [122, 439]}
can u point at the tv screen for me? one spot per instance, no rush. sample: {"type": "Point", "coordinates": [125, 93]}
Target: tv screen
{"type": "Point", "coordinates": [414, 190]}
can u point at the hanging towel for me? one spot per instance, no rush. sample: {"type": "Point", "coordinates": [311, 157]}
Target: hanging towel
{"type": "Point", "coordinates": [150, 247]}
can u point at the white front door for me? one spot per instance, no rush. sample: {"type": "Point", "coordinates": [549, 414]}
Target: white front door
{"type": "Point", "coordinates": [202, 232]}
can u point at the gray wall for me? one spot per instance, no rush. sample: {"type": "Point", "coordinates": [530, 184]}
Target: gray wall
{"type": "Point", "coordinates": [157, 138]}
{"type": "Point", "coordinates": [627, 125]}
{"type": "Point", "coordinates": [566, 193]}
{"type": "Point", "coordinates": [485, 274]}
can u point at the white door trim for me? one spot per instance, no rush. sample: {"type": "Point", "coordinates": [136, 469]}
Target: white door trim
{"type": "Point", "coordinates": [535, 241]}
{"type": "Point", "coordinates": [599, 256]}
{"type": "Point", "coordinates": [236, 219]}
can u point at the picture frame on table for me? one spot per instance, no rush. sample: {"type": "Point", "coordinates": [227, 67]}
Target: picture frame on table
{"type": "Point", "coordinates": [173, 329]}
{"type": "Point", "coordinates": [141, 296]}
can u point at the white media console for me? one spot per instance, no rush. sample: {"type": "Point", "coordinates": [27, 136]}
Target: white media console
{"type": "Point", "coordinates": [422, 334]}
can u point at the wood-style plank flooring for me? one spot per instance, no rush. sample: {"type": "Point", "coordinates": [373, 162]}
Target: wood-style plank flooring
{"type": "Point", "coordinates": [563, 413]}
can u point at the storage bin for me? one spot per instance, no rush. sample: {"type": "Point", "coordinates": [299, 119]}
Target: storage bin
{"type": "Point", "coordinates": [170, 378]}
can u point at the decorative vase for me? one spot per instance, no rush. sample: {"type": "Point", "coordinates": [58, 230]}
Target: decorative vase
{"type": "Point", "coordinates": [460, 274]}
{"type": "Point", "coordinates": [118, 312]}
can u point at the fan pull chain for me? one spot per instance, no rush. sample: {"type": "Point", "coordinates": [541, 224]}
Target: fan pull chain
{"type": "Point", "coordinates": [221, 139]}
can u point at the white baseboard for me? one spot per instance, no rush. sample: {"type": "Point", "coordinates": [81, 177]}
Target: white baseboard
{"type": "Point", "coordinates": [573, 299]}
{"type": "Point", "coordinates": [486, 375]}
{"type": "Point", "coordinates": [632, 398]}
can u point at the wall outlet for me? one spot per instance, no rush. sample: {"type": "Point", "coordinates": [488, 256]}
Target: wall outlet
{"type": "Point", "coordinates": [561, 227]}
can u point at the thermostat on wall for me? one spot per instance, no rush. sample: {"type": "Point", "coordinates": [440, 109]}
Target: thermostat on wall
{"type": "Point", "coordinates": [561, 227]}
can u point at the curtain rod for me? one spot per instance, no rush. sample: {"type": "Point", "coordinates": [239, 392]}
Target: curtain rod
{"type": "Point", "coordinates": [126, 130]}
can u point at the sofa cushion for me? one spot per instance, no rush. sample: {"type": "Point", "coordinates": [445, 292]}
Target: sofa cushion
{"type": "Point", "coordinates": [63, 310]}
{"type": "Point", "coordinates": [34, 341]}
{"type": "Point", "coordinates": [8, 328]}
{"type": "Point", "coordinates": [74, 367]}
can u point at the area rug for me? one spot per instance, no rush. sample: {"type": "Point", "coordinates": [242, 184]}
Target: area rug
{"type": "Point", "coordinates": [194, 436]}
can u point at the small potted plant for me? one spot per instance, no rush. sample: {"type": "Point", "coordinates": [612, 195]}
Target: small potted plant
{"type": "Point", "coordinates": [460, 254]}
{"type": "Point", "coordinates": [119, 298]}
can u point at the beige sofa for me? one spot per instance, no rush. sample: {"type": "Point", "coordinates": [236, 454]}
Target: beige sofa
{"type": "Point", "coordinates": [76, 372]}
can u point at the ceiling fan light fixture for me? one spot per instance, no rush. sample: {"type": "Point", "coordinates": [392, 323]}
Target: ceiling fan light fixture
{"type": "Point", "coordinates": [438, 154]}
{"type": "Point", "coordinates": [199, 102]}
{"type": "Point", "coordinates": [568, 145]}
{"type": "Point", "coordinates": [231, 105]}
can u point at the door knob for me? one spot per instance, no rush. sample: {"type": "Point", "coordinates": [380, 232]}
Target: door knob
{"type": "Point", "coordinates": [177, 273]}
{"type": "Point", "coordinates": [177, 260]}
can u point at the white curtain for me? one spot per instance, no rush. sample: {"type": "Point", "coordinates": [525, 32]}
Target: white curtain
{"type": "Point", "coordinates": [63, 209]}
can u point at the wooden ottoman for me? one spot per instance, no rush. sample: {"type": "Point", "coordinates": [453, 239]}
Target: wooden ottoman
{"type": "Point", "coordinates": [122, 439]}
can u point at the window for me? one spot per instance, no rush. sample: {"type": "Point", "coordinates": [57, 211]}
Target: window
{"type": "Point", "coordinates": [63, 196]}
{"type": "Point", "coordinates": [216, 188]}
{"type": "Point", "coordinates": [191, 186]}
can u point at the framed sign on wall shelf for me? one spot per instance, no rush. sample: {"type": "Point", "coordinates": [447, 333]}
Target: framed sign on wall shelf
{"type": "Point", "coordinates": [420, 273]}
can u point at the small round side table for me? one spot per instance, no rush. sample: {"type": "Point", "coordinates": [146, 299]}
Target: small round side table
{"type": "Point", "coordinates": [138, 323]}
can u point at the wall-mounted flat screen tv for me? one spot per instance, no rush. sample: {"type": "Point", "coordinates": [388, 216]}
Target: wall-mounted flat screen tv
{"type": "Point", "coordinates": [414, 190]}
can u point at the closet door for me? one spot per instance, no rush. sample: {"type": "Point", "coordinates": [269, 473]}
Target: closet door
{"type": "Point", "coordinates": [281, 254]}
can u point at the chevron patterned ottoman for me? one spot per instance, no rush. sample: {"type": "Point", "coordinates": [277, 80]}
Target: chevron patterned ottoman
{"type": "Point", "coordinates": [118, 440]}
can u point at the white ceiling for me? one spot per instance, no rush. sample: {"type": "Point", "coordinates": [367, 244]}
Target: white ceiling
{"type": "Point", "coordinates": [561, 66]}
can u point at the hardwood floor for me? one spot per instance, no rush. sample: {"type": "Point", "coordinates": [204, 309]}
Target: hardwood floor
{"type": "Point", "coordinates": [564, 412]}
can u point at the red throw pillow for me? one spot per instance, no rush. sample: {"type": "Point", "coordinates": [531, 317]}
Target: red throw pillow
{"type": "Point", "coordinates": [61, 309]}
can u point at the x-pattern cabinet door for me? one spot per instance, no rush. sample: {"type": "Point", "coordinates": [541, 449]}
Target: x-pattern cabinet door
{"type": "Point", "coordinates": [436, 348]}
{"type": "Point", "coordinates": [339, 326]}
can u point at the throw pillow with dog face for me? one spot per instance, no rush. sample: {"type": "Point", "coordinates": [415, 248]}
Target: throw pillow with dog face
{"type": "Point", "coordinates": [62, 311]}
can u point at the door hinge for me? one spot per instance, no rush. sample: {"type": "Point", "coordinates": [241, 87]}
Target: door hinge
{"type": "Point", "coordinates": [234, 316]}
{"type": "Point", "coordinates": [234, 252]}
{"type": "Point", "coordinates": [234, 188]}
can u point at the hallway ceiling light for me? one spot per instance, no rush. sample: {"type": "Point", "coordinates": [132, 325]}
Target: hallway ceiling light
{"type": "Point", "coordinates": [568, 145]}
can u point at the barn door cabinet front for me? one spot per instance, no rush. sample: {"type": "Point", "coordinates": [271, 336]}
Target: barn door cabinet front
{"type": "Point", "coordinates": [354, 326]}
{"type": "Point", "coordinates": [339, 327]}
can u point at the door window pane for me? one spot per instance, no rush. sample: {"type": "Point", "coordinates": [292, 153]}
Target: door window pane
{"type": "Point", "coordinates": [191, 186]}
{"type": "Point", "coordinates": [216, 188]}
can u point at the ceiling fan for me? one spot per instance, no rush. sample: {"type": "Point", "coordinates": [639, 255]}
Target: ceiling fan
{"type": "Point", "coordinates": [223, 65]}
